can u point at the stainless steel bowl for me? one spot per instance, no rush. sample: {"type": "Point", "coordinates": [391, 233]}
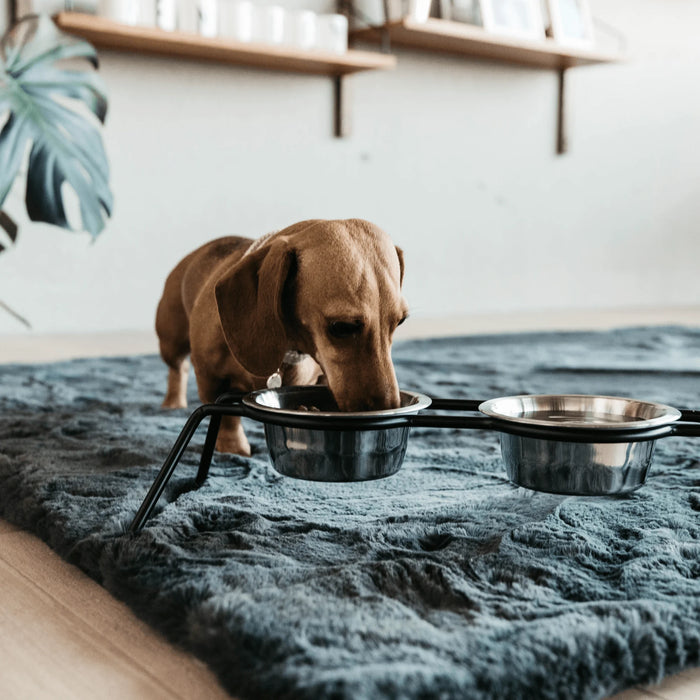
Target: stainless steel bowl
{"type": "Point", "coordinates": [326, 453]}
{"type": "Point", "coordinates": [589, 465]}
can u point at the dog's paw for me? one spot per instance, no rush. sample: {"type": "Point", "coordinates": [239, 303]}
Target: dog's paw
{"type": "Point", "coordinates": [173, 402]}
{"type": "Point", "coordinates": [233, 446]}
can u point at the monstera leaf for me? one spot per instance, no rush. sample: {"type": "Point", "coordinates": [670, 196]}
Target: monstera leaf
{"type": "Point", "coordinates": [54, 112]}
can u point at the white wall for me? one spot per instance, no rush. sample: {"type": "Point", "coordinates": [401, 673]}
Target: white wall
{"type": "Point", "coordinates": [454, 158]}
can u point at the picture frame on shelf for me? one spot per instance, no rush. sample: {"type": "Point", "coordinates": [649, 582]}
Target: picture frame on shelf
{"type": "Point", "coordinates": [572, 23]}
{"type": "Point", "coordinates": [465, 11]}
{"type": "Point", "coordinates": [416, 10]}
{"type": "Point", "coordinates": [377, 12]}
{"type": "Point", "coordinates": [519, 19]}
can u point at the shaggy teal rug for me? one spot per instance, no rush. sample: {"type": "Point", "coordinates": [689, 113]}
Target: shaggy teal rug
{"type": "Point", "coordinates": [443, 581]}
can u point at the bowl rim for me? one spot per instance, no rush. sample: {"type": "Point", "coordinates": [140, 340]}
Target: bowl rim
{"type": "Point", "coordinates": [666, 414]}
{"type": "Point", "coordinates": [420, 401]}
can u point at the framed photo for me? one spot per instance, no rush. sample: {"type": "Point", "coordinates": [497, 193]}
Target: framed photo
{"type": "Point", "coordinates": [467, 11]}
{"type": "Point", "coordinates": [376, 12]}
{"type": "Point", "coordinates": [571, 22]}
{"type": "Point", "coordinates": [515, 18]}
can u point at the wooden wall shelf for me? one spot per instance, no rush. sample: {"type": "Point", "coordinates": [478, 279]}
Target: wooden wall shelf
{"type": "Point", "coordinates": [104, 33]}
{"type": "Point", "coordinates": [434, 35]}
{"type": "Point", "coordinates": [468, 40]}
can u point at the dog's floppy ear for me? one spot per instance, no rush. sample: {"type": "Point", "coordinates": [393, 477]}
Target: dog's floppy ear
{"type": "Point", "coordinates": [399, 252]}
{"type": "Point", "coordinates": [249, 300]}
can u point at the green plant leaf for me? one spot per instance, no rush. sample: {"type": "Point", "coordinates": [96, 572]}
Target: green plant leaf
{"type": "Point", "coordinates": [47, 106]}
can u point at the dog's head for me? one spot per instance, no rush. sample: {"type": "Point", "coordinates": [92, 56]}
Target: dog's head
{"type": "Point", "coordinates": [331, 289]}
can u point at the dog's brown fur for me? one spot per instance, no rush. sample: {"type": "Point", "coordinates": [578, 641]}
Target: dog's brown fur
{"type": "Point", "coordinates": [328, 289]}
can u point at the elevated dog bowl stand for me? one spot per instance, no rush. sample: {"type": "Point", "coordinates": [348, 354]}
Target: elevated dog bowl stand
{"type": "Point", "coordinates": [231, 404]}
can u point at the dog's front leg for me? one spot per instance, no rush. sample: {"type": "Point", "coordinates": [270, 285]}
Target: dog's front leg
{"type": "Point", "coordinates": [231, 438]}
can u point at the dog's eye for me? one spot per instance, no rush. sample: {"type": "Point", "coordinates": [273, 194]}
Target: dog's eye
{"type": "Point", "coordinates": [344, 329]}
{"type": "Point", "coordinates": [402, 320]}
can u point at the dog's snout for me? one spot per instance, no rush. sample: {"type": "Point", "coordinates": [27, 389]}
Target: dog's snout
{"type": "Point", "coordinates": [385, 400]}
{"type": "Point", "coordinates": [380, 400]}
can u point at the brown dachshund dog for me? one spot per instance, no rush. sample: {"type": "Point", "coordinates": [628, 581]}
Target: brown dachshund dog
{"type": "Point", "coordinates": [317, 298]}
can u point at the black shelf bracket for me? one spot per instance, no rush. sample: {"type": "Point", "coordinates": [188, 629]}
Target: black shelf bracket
{"type": "Point", "coordinates": [562, 131]}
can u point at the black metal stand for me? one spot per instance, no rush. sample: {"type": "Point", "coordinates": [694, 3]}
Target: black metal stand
{"type": "Point", "coordinates": [226, 405]}
{"type": "Point", "coordinates": [173, 458]}
{"type": "Point", "coordinates": [208, 450]}
{"type": "Point", "coordinates": [230, 404]}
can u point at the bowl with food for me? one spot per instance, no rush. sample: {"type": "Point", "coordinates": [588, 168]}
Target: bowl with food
{"type": "Point", "coordinates": [308, 437]}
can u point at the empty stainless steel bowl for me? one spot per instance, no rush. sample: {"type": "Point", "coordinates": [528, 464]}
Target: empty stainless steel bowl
{"type": "Point", "coordinates": [589, 465]}
{"type": "Point", "coordinates": [326, 453]}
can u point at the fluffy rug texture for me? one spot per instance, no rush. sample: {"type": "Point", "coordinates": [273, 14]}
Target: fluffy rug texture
{"type": "Point", "coordinates": [443, 581]}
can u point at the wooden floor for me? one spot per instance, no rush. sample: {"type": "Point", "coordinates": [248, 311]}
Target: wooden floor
{"type": "Point", "coordinates": [63, 636]}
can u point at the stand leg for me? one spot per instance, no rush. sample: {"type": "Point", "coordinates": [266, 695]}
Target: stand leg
{"type": "Point", "coordinates": [208, 450]}
{"type": "Point", "coordinates": [168, 468]}
{"type": "Point", "coordinates": [216, 411]}
{"type": "Point", "coordinates": [231, 397]}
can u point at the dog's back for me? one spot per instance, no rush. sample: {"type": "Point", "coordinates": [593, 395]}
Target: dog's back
{"type": "Point", "coordinates": [181, 289]}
